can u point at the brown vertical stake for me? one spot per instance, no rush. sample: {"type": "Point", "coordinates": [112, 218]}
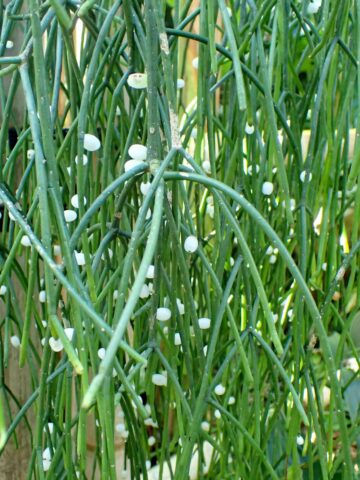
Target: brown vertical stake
{"type": "Point", "coordinates": [15, 458]}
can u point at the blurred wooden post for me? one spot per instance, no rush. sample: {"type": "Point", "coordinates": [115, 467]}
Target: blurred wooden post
{"type": "Point", "coordinates": [15, 458]}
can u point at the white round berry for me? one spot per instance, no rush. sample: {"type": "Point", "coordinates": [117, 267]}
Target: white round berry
{"type": "Point", "coordinates": [204, 323]}
{"type": "Point", "coordinates": [55, 344]}
{"type": "Point", "coordinates": [25, 241]}
{"type": "Point", "coordinates": [101, 353]}
{"type": "Point", "coordinates": [206, 165]}
{"type": "Point", "coordinates": [137, 80]}
{"type": "Point", "coordinates": [149, 422]}
{"type": "Point", "coordinates": [69, 332]}
{"type": "Point", "coordinates": [272, 259]}
{"type": "Point", "coordinates": [191, 244]}
{"type": "Point", "coordinates": [313, 7]}
{"type": "Point", "coordinates": [30, 153]}
{"type": "Point", "coordinates": [42, 296]}
{"type": "Point", "coordinates": [159, 379]}
{"type": "Point", "coordinates": [131, 164]}
{"type": "Point", "coordinates": [219, 389]}
{"type": "Point", "coordinates": [15, 341]}
{"type": "Point", "coordinates": [180, 306]}
{"type": "Point", "coordinates": [249, 129]}
{"type": "Point", "coordinates": [267, 188]}
{"type": "Point", "coordinates": [180, 83]}
{"type": "Point", "coordinates": [145, 292]}
{"type": "Point", "coordinates": [145, 187]}
{"type": "Point", "coordinates": [205, 426]}
{"type": "Point", "coordinates": [46, 455]}
{"type": "Point", "coordinates": [163, 314]}
{"type": "Point", "coordinates": [91, 143]}
{"type": "Point", "coordinates": [150, 272]}
{"type": "Point", "coordinates": [121, 430]}
{"type": "Point", "coordinates": [80, 258]}
{"type": "Point", "coordinates": [75, 201]}
{"type": "Point", "coordinates": [70, 215]}
{"type": "Point", "coordinates": [137, 152]}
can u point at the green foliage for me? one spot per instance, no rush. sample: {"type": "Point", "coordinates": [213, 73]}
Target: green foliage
{"type": "Point", "coordinates": [243, 211]}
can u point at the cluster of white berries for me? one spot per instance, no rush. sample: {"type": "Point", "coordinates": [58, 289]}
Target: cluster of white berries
{"type": "Point", "coordinates": [121, 430]}
{"type": "Point", "coordinates": [272, 253]}
{"type": "Point", "coordinates": [56, 344]}
{"type": "Point", "coordinates": [91, 144]}
{"type": "Point", "coordinates": [138, 154]}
